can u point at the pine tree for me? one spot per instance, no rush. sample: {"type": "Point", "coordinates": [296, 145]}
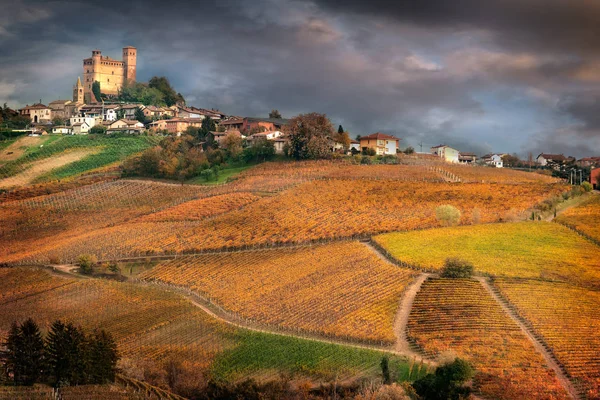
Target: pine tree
{"type": "Point", "coordinates": [340, 129]}
{"type": "Point", "coordinates": [32, 358]}
{"type": "Point", "coordinates": [10, 357]}
{"type": "Point", "coordinates": [66, 351]}
{"type": "Point", "coordinates": [103, 357]}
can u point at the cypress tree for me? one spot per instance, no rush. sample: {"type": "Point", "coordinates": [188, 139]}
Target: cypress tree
{"type": "Point", "coordinates": [32, 357]}
{"type": "Point", "coordinates": [10, 356]}
{"type": "Point", "coordinates": [103, 357]}
{"type": "Point", "coordinates": [66, 347]}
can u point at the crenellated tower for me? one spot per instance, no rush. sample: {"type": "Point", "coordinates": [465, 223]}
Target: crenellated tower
{"type": "Point", "coordinates": [130, 61]}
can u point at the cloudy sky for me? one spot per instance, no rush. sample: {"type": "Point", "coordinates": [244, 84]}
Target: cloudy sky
{"type": "Point", "coordinates": [495, 75]}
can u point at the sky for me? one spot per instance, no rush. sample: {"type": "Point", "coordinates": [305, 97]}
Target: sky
{"type": "Point", "coordinates": [514, 76]}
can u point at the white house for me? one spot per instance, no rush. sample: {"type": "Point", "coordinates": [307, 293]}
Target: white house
{"type": "Point", "coordinates": [494, 160]}
{"type": "Point", "coordinates": [65, 130]}
{"type": "Point", "coordinates": [381, 143]}
{"type": "Point", "coordinates": [544, 159]}
{"type": "Point", "coordinates": [446, 153]}
{"type": "Point", "coordinates": [271, 135]}
{"type": "Point", "coordinates": [354, 145]}
{"type": "Point", "coordinates": [91, 122]}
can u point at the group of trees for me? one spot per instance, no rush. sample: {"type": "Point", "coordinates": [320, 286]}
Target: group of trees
{"type": "Point", "coordinates": [157, 92]}
{"type": "Point", "coordinates": [67, 356]}
{"type": "Point", "coordinates": [11, 119]}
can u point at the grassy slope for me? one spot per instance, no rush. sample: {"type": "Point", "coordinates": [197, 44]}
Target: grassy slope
{"type": "Point", "coordinates": [225, 174]}
{"type": "Point", "coordinates": [523, 249]}
{"type": "Point", "coordinates": [112, 150]}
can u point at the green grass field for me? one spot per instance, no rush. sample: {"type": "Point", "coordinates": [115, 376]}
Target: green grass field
{"type": "Point", "coordinates": [258, 352]}
{"type": "Point", "coordinates": [112, 149]}
{"type": "Point", "coordinates": [524, 249]}
{"type": "Point", "coordinates": [224, 175]}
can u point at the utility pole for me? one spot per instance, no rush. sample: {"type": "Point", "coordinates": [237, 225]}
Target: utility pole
{"type": "Point", "coordinates": [421, 146]}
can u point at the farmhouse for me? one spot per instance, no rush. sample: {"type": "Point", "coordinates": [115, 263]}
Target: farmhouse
{"type": "Point", "coordinates": [65, 130]}
{"type": "Point", "coordinates": [467, 158]}
{"type": "Point", "coordinates": [446, 153]}
{"type": "Point", "coordinates": [179, 125]}
{"type": "Point", "coordinates": [90, 122]}
{"type": "Point", "coordinates": [494, 160]}
{"type": "Point", "coordinates": [125, 126]}
{"type": "Point", "coordinates": [249, 124]}
{"type": "Point", "coordinates": [544, 159]}
{"type": "Point", "coordinates": [80, 128]}
{"type": "Point", "coordinates": [381, 143]}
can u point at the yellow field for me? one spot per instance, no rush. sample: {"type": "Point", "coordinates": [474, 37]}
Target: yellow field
{"type": "Point", "coordinates": [568, 318]}
{"type": "Point", "coordinates": [341, 290]}
{"type": "Point", "coordinates": [459, 316]}
{"type": "Point", "coordinates": [585, 218]}
{"type": "Point", "coordinates": [524, 249]}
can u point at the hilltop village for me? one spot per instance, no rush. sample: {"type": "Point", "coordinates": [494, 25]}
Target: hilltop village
{"type": "Point", "coordinates": [102, 104]}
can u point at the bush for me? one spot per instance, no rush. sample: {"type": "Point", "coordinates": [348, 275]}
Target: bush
{"type": "Point", "coordinates": [446, 383]}
{"type": "Point", "coordinates": [447, 215]}
{"type": "Point", "coordinates": [457, 268]}
{"type": "Point", "coordinates": [86, 263]}
{"type": "Point", "coordinates": [97, 129]}
{"type": "Point", "coordinates": [366, 160]}
{"type": "Point", "coordinates": [368, 151]}
{"type": "Point", "coordinates": [587, 186]}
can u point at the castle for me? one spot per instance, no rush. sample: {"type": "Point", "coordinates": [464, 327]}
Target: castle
{"type": "Point", "coordinates": [112, 74]}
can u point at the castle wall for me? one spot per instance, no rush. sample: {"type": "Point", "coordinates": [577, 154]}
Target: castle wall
{"type": "Point", "coordinates": [111, 74]}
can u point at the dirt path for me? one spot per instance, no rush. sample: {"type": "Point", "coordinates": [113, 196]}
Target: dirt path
{"type": "Point", "coordinates": [17, 149]}
{"type": "Point", "coordinates": [38, 168]}
{"type": "Point", "coordinates": [548, 357]}
{"type": "Point", "coordinates": [401, 320]}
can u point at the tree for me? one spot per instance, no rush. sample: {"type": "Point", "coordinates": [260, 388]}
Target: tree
{"type": "Point", "coordinates": [309, 136]}
{"type": "Point", "coordinates": [509, 160]}
{"type": "Point", "coordinates": [58, 121]}
{"type": "Point", "coordinates": [446, 383]}
{"type": "Point", "coordinates": [447, 215]}
{"type": "Point", "coordinates": [86, 262]}
{"type": "Point", "coordinates": [206, 129]}
{"type": "Point", "coordinates": [24, 356]}
{"type": "Point", "coordinates": [163, 85]}
{"type": "Point", "coordinates": [98, 129]}
{"type": "Point", "coordinates": [340, 129]}
{"type": "Point", "coordinates": [139, 115]}
{"type": "Point", "coordinates": [409, 150]}
{"type": "Point", "coordinates": [275, 114]}
{"type": "Point", "coordinates": [232, 144]}
{"type": "Point", "coordinates": [385, 370]}
{"type": "Point", "coordinates": [103, 357]}
{"type": "Point", "coordinates": [96, 91]}
{"type": "Point", "coordinates": [457, 268]}
{"type": "Point", "coordinates": [120, 113]}
{"type": "Point", "coordinates": [342, 138]}
{"type": "Point", "coordinates": [260, 150]}
{"type": "Point", "coordinates": [66, 351]}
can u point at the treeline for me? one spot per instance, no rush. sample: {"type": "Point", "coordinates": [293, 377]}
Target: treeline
{"type": "Point", "coordinates": [157, 92]}
{"type": "Point", "coordinates": [196, 153]}
{"type": "Point", "coordinates": [67, 356]}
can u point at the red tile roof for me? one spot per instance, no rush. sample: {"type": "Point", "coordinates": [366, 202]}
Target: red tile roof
{"type": "Point", "coordinates": [379, 136]}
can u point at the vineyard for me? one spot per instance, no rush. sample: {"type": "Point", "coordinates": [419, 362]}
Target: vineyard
{"type": "Point", "coordinates": [525, 249]}
{"type": "Point", "coordinates": [459, 317]}
{"type": "Point", "coordinates": [313, 211]}
{"type": "Point", "coordinates": [153, 326]}
{"type": "Point", "coordinates": [567, 318]}
{"type": "Point", "coordinates": [584, 218]}
{"type": "Point", "coordinates": [105, 151]}
{"type": "Point", "coordinates": [344, 291]}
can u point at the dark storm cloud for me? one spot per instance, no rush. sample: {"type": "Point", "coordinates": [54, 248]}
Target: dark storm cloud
{"type": "Point", "coordinates": [422, 70]}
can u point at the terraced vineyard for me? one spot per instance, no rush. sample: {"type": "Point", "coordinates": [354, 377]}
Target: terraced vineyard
{"type": "Point", "coordinates": [317, 210]}
{"type": "Point", "coordinates": [568, 319]}
{"type": "Point", "coordinates": [526, 249]}
{"type": "Point", "coordinates": [584, 218]}
{"type": "Point", "coordinates": [345, 291]}
{"type": "Point", "coordinates": [458, 316]}
{"type": "Point", "coordinates": [153, 326]}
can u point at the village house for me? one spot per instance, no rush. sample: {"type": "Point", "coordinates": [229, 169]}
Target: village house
{"type": "Point", "coordinates": [467, 158]}
{"type": "Point", "coordinates": [595, 178]}
{"type": "Point", "coordinates": [219, 136]}
{"type": "Point", "coordinates": [279, 144]}
{"type": "Point", "coordinates": [80, 128]}
{"type": "Point", "coordinates": [381, 143]}
{"type": "Point", "coordinates": [446, 153]}
{"type": "Point", "coordinates": [125, 126]}
{"type": "Point", "coordinates": [354, 145]}
{"type": "Point", "coordinates": [90, 122]}
{"type": "Point", "coordinates": [58, 109]}
{"type": "Point", "coordinates": [178, 125]}
{"type": "Point", "coordinates": [254, 124]}
{"type": "Point", "coordinates": [62, 129]}
{"type": "Point", "coordinates": [269, 135]}
{"type": "Point", "coordinates": [130, 109]}
{"type": "Point", "coordinates": [153, 112]}
{"type": "Point", "coordinates": [545, 159]}
{"type": "Point", "coordinates": [159, 125]}
{"type": "Point", "coordinates": [589, 162]}
{"type": "Point", "coordinates": [38, 113]}
{"type": "Point", "coordinates": [494, 160]}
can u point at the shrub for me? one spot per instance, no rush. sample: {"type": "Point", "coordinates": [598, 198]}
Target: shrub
{"type": "Point", "coordinates": [368, 151]}
{"type": "Point", "coordinates": [457, 268]}
{"type": "Point", "coordinates": [587, 186]}
{"type": "Point", "coordinates": [366, 160]}
{"type": "Point", "coordinates": [446, 382]}
{"type": "Point", "coordinates": [86, 262]}
{"type": "Point", "coordinates": [447, 215]}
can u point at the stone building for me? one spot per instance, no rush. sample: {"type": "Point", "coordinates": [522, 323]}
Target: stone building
{"type": "Point", "coordinates": [112, 74]}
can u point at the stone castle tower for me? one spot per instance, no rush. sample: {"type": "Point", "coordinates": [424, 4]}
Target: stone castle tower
{"type": "Point", "coordinates": [78, 92]}
{"type": "Point", "coordinates": [112, 74]}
